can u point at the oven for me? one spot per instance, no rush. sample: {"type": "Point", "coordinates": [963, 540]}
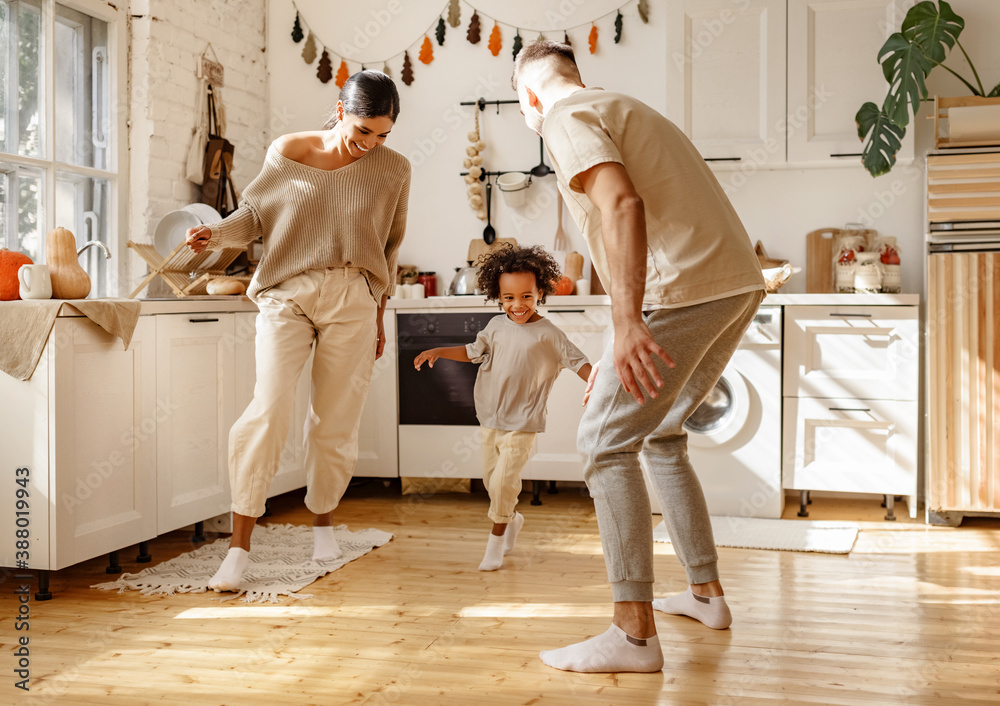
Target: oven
{"type": "Point", "coordinates": [439, 435]}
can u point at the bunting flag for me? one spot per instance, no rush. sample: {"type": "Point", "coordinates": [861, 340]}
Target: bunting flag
{"type": "Point", "coordinates": [451, 15]}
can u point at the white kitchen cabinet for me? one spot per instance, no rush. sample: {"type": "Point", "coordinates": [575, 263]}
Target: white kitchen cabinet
{"type": "Point", "coordinates": [850, 387]}
{"type": "Point", "coordinates": [378, 442]}
{"type": "Point", "coordinates": [726, 77]}
{"type": "Point", "coordinates": [555, 456]}
{"type": "Point", "coordinates": [866, 352]}
{"type": "Point", "coordinates": [85, 427]}
{"type": "Point", "coordinates": [832, 71]}
{"type": "Point", "coordinates": [196, 379]}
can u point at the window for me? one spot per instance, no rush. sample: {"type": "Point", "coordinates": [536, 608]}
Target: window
{"type": "Point", "coordinates": [62, 160]}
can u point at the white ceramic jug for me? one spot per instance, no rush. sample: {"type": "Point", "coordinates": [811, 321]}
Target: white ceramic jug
{"type": "Point", "coordinates": [35, 282]}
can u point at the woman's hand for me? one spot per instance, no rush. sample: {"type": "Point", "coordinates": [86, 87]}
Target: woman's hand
{"type": "Point", "coordinates": [426, 357]}
{"type": "Point", "coordinates": [197, 238]}
{"type": "Point", "coordinates": [590, 383]}
{"type": "Point", "coordinates": [380, 340]}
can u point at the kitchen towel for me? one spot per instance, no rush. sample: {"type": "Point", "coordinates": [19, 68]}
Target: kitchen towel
{"type": "Point", "coordinates": [25, 326]}
{"type": "Point", "coordinates": [280, 564]}
{"type": "Point", "coordinates": [784, 535]}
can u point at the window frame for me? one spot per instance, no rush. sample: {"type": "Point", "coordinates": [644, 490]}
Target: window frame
{"type": "Point", "coordinates": [116, 173]}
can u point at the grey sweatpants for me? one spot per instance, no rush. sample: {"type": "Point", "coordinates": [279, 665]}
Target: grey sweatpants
{"type": "Point", "coordinates": [615, 429]}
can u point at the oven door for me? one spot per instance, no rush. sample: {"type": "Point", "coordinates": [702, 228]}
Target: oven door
{"type": "Point", "coordinates": [442, 395]}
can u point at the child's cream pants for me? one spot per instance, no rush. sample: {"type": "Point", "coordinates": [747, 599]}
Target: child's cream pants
{"type": "Point", "coordinates": [335, 309]}
{"type": "Point", "coordinates": [505, 454]}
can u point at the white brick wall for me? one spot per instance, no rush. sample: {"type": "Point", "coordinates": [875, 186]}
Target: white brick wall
{"type": "Point", "coordinates": [166, 38]}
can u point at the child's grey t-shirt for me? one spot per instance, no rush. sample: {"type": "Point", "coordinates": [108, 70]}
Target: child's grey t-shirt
{"type": "Point", "coordinates": [519, 363]}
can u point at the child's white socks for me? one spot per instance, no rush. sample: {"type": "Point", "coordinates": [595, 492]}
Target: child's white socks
{"type": "Point", "coordinates": [493, 559]}
{"type": "Point", "coordinates": [713, 612]}
{"type": "Point", "coordinates": [510, 536]}
{"type": "Point", "coordinates": [325, 546]}
{"type": "Point", "coordinates": [611, 651]}
{"type": "Point", "coordinates": [228, 577]}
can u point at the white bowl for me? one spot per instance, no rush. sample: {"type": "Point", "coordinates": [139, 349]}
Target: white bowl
{"type": "Point", "coordinates": [172, 229]}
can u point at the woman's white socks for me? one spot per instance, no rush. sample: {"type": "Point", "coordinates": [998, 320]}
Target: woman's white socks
{"type": "Point", "coordinates": [611, 651]}
{"type": "Point", "coordinates": [228, 577]}
{"type": "Point", "coordinates": [510, 535]}
{"type": "Point", "coordinates": [493, 559]}
{"type": "Point", "coordinates": [325, 547]}
{"type": "Point", "coordinates": [713, 612]}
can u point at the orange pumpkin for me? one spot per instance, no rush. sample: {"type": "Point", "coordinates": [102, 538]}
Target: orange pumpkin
{"type": "Point", "coordinates": [10, 263]}
{"type": "Point", "coordinates": [564, 286]}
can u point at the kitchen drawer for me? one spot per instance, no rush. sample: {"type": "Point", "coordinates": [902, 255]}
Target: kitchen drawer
{"type": "Point", "coordinates": [849, 445]}
{"type": "Point", "coordinates": [863, 352]}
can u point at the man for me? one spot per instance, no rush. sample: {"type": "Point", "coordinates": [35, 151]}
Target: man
{"type": "Point", "coordinates": [684, 284]}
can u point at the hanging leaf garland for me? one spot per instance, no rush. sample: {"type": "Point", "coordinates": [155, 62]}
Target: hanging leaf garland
{"type": "Point", "coordinates": [495, 40]}
{"type": "Point", "coordinates": [593, 38]}
{"type": "Point", "coordinates": [407, 69]}
{"type": "Point", "coordinates": [566, 39]}
{"type": "Point", "coordinates": [517, 44]}
{"type": "Point", "coordinates": [342, 74]}
{"type": "Point", "coordinates": [386, 70]}
{"type": "Point", "coordinates": [426, 51]}
{"type": "Point", "coordinates": [473, 35]}
{"type": "Point", "coordinates": [644, 11]}
{"type": "Point", "coordinates": [325, 70]}
{"type": "Point", "coordinates": [297, 30]}
{"type": "Point", "coordinates": [454, 13]}
{"type": "Point", "coordinates": [309, 50]}
{"type": "Point", "coordinates": [618, 27]}
{"type": "Point", "coordinates": [440, 31]}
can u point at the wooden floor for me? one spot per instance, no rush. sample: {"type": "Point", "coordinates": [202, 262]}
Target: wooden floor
{"type": "Point", "coordinates": [911, 616]}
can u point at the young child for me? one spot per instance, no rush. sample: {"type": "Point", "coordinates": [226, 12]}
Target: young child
{"type": "Point", "coordinates": [520, 356]}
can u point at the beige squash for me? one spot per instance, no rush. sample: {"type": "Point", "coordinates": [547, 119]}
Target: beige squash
{"type": "Point", "coordinates": [574, 266]}
{"type": "Point", "coordinates": [69, 279]}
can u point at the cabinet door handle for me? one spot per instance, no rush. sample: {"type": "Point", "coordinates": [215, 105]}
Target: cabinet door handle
{"type": "Point", "coordinates": [567, 311]}
{"type": "Point", "coordinates": [850, 409]}
{"type": "Point", "coordinates": [202, 321]}
{"type": "Point", "coordinates": [846, 316]}
{"type": "Point", "coordinates": [847, 154]}
{"type": "Point", "coordinates": [723, 159]}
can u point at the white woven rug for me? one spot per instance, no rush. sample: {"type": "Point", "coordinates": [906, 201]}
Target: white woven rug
{"type": "Point", "coordinates": [280, 564]}
{"type": "Point", "coordinates": [785, 535]}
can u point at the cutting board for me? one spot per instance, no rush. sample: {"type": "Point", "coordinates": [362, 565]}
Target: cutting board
{"type": "Point", "coordinates": [820, 247]}
{"type": "Point", "coordinates": [478, 247]}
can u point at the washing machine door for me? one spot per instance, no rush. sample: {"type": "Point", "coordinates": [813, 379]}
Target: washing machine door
{"type": "Point", "coordinates": [723, 413]}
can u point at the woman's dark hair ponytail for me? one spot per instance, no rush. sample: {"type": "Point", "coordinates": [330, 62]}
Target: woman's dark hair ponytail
{"type": "Point", "coordinates": [367, 94]}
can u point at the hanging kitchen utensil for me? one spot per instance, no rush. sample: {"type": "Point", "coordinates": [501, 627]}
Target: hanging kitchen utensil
{"type": "Point", "coordinates": [560, 241]}
{"type": "Point", "coordinates": [489, 232]}
{"type": "Point", "coordinates": [541, 169]}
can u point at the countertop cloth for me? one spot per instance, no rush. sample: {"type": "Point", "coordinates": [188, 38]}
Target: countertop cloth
{"type": "Point", "coordinates": [25, 326]}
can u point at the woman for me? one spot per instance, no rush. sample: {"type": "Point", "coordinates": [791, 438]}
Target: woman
{"type": "Point", "coordinates": [331, 208]}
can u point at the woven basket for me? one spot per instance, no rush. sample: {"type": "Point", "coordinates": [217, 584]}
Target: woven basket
{"type": "Point", "coordinates": [776, 272]}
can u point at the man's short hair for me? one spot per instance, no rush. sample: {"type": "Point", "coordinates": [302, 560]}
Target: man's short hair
{"type": "Point", "coordinates": [565, 63]}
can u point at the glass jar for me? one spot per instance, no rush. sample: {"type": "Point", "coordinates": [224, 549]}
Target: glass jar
{"type": "Point", "coordinates": [888, 252]}
{"type": "Point", "coordinates": [845, 260]}
{"type": "Point", "coordinates": [429, 280]}
{"type": "Point", "coordinates": [868, 273]}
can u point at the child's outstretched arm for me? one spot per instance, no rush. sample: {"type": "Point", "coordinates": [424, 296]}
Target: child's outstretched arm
{"type": "Point", "coordinates": [449, 353]}
{"type": "Point", "coordinates": [584, 372]}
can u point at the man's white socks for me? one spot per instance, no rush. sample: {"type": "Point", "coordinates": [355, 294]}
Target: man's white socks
{"type": "Point", "coordinates": [325, 547]}
{"type": "Point", "coordinates": [228, 577]}
{"type": "Point", "coordinates": [510, 536]}
{"type": "Point", "coordinates": [713, 612]}
{"type": "Point", "coordinates": [611, 651]}
{"type": "Point", "coordinates": [493, 559]}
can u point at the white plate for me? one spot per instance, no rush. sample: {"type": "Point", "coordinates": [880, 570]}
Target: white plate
{"type": "Point", "coordinates": [205, 213]}
{"type": "Point", "coordinates": [172, 229]}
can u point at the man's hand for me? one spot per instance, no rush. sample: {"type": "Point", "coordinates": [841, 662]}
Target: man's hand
{"type": "Point", "coordinates": [633, 356]}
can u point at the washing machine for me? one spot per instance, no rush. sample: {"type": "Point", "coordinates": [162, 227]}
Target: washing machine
{"type": "Point", "coordinates": [734, 437]}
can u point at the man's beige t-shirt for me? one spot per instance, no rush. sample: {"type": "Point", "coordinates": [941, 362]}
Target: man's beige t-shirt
{"type": "Point", "coordinates": [697, 248]}
{"type": "Point", "coordinates": [518, 364]}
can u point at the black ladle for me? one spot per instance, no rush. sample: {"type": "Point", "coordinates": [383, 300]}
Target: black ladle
{"type": "Point", "coordinates": [541, 169]}
{"type": "Point", "coordinates": [489, 232]}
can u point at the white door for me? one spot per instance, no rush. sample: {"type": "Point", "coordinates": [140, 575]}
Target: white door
{"type": "Point", "coordinates": [555, 455]}
{"type": "Point", "coordinates": [378, 455]}
{"type": "Point", "coordinates": [726, 77]}
{"type": "Point", "coordinates": [106, 418]}
{"type": "Point", "coordinates": [833, 70]}
{"type": "Point", "coordinates": [195, 375]}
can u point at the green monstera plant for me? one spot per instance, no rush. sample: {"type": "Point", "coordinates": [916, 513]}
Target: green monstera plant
{"type": "Point", "coordinates": [929, 31]}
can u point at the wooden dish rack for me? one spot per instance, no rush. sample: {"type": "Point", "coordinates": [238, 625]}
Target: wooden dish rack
{"type": "Point", "coordinates": [177, 268]}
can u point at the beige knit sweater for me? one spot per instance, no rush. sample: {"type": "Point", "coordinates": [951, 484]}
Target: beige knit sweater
{"type": "Point", "coordinates": [313, 218]}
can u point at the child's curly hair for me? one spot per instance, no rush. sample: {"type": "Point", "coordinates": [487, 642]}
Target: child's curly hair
{"type": "Point", "coordinates": [506, 259]}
